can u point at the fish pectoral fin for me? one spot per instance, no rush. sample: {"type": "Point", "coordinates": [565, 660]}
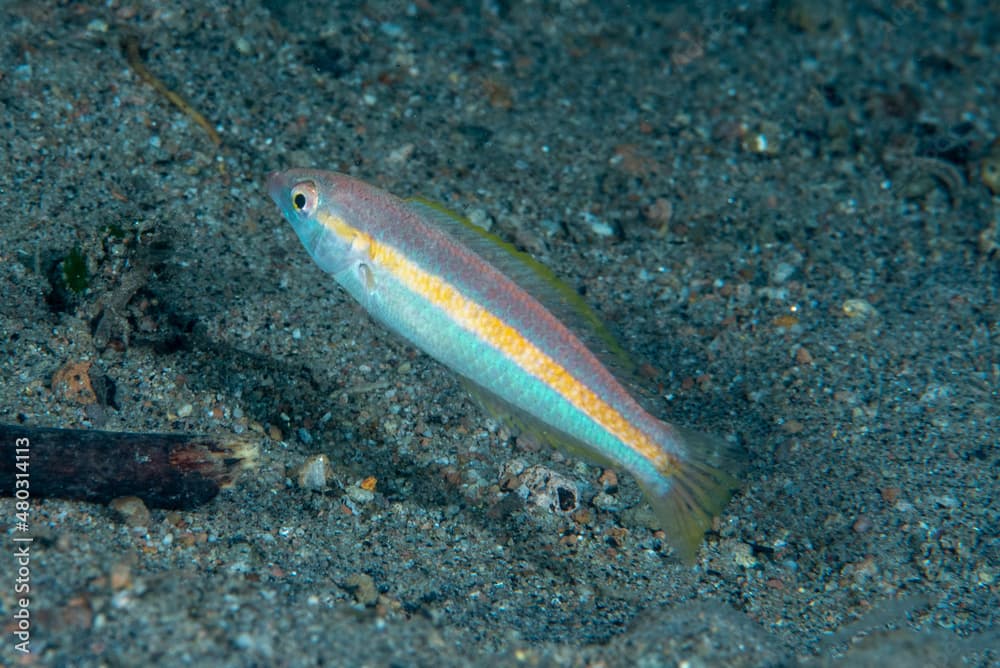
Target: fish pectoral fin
{"type": "Point", "coordinates": [367, 277]}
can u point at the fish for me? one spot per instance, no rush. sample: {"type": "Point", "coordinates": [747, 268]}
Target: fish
{"type": "Point", "coordinates": [523, 341]}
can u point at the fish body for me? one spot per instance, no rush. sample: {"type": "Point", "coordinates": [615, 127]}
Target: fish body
{"type": "Point", "coordinates": [424, 275]}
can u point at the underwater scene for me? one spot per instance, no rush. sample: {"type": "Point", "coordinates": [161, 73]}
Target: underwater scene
{"type": "Point", "coordinates": [540, 333]}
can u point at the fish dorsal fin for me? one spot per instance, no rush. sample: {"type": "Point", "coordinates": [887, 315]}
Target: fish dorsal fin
{"type": "Point", "coordinates": [537, 280]}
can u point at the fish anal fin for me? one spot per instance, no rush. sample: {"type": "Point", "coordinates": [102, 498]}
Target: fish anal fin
{"type": "Point", "coordinates": [524, 425]}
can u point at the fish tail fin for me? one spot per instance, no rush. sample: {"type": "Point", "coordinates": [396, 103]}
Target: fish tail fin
{"type": "Point", "coordinates": [696, 489]}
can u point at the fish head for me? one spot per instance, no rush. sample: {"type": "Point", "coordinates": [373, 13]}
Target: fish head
{"type": "Point", "coordinates": [317, 204]}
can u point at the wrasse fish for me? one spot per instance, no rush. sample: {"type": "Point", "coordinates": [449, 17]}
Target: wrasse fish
{"type": "Point", "coordinates": [500, 320]}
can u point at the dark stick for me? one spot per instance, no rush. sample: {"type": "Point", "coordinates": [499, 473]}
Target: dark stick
{"type": "Point", "coordinates": [176, 471]}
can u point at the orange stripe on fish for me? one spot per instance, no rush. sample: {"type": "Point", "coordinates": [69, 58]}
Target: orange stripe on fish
{"type": "Point", "coordinates": [504, 338]}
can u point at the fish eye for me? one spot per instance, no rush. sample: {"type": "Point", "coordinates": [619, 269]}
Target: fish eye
{"type": "Point", "coordinates": [304, 196]}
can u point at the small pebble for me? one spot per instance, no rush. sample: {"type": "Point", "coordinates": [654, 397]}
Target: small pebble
{"type": "Point", "coordinates": [131, 510]}
{"type": "Point", "coordinates": [782, 272]}
{"type": "Point", "coordinates": [550, 490]}
{"type": "Point", "coordinates": [243, 46]}
{"type": "Point", "coordinates": [660, 212]}
{"type": "Point", "coordinates": [606, 502]}
{"type": "Point", "coordinates": [315, 473]}
{"type": "Point", "coordinates": [858, 308]}
{"type": "Point", "coordinates": [608, 479]}
{"type": "Point", "coordinates": [793, 427]}
{"type": "Point", "coordinates": [946, 501]}
{"type": "Point", "coordinates": [358, 494]}
{"type": "Point", "coordinates": [742, 555]}
{"type": "Point", "coordinates": [71, 382]}
{"type": "Point", "coordinates": [121, 576]}
{"type": "Point", "coordinates": [890, 494]}
{"type": "Point", "coordinates": [481, 218]}
{"type": "Point", "coordinates": [362, 587]}
{"type": "Point", "coordinates": [803, 357]}
{"type": "Point", "coordinates": [400, 155]}
{"type": "Point", "coordinates": [762, 140]}
{"type": "Point", "coordinates": [598, 226]}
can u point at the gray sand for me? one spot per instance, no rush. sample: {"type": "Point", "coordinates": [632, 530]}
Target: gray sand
{"type": "Point", "coordinates": [783, 209]}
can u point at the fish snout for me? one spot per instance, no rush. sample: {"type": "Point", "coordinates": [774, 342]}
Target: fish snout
{"type": "Point", "coordinates": [274, 184]}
